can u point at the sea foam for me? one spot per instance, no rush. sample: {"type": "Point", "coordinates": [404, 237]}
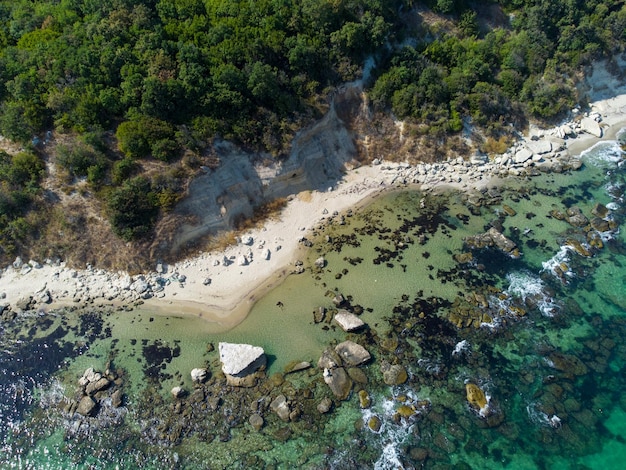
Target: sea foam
{"type": "Point", "coordinates": [525, 285]}
{"type": "Point", "coordinates": [603, 154]}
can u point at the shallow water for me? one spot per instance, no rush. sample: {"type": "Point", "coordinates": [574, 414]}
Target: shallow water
{"type": "Point", "coordinates": [546, 346]}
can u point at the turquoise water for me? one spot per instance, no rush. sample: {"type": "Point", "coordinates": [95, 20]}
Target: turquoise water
{"type": "Point", "coordinates": [541, 335]}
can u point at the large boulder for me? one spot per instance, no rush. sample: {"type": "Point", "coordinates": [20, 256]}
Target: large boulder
{"type": "Point", "coordinates": [338, 381]}
{"type": "Point", "coordinates": [256, 421]}
{"type": "Point", "coordinates": [540, 147]}
{"type": "Point", "coordinates": [591, 126]}
{"type": "Point", "coordinates": [348, 321]}
{"type": "Point", "coordinates": [352, 354]}
{"type": "Point", "coordinates": [329, 359]}
{"type": "Point", "coordinates": [241, 362]}
{"type": "Point", "coordinates": [522, 155]}
{"type": "Point", "coordinates": [86, 406]}
{"type": "Point", "coordinates": [94, 387]}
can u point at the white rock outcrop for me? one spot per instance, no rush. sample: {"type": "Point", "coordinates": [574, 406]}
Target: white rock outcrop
{"type": "Point", "coordinates": [199, 374]}
{"type": "Point", "coordinates": [591, 126]}
{"type": "Point", "coordinates": [348, 321]}
{"type": "Point", "coordinates": [240, 360]}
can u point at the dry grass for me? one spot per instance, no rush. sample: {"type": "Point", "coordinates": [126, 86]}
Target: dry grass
{"type": "Point", "coordinates": [498, 146]}
{"type": "Point", "coordinates": [221, 241]}
{"type": "Point", "coordinates": [269, 210]}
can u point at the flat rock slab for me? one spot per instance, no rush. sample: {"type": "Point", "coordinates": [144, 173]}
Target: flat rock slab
{"type": "Point", "coordinates": [523, 155]}
{"type": "Point", "coordinates": [348, 321]}
{"type": "Point", "coordinates": [590, 126]}
{"type": "Point", "coordinates": [540, 147]}
{"type": "Point", "coordinates": [241, 359]}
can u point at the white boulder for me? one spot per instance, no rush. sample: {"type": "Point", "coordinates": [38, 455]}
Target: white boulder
{"type": "Point", "coordinates": [591, 126]}
{"type": "Point", "coordinates": [199, 374]}
{"type": "Point", "coordinates": [523, 155]}
{"type": "Point", "coordinates": [540, 147]}
{"type": "Point", "coordinates": [348, 321]}
{"type": "Point", "coordinates": [240, 360]}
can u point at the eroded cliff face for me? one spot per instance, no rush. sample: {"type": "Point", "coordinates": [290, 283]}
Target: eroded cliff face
{"type": "Point", "coordinates": [243, 181]}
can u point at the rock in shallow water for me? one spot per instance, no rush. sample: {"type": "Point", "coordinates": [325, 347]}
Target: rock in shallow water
{"type": "Point", "coordinates": [393, 374]}
{"type": "Point", "coordinates": [241, 359]}
{"type": "Point", "coordinates": [199, 374]}
{"type": "Point", "coordinates": [325, 405]}
{"type": "Point", "coordinates": [348, 321]}
{"type": "Point", "coordinates": [280, 406]}
{"type": "Point", "coordinates": [353, 354]}
{"type": "Point", "coordinates": [476, 398]}
{"type": "Point", "coordinates": [256, 421]}
{"type": "Point", "coordinates": [338, 381]}
{"type": "Point", "coordinates": [86, 406]}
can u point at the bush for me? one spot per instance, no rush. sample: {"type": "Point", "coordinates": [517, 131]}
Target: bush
{"type": "Point", "coordinates": [26, 170]}
{"type": "Point", "coordinates": [123, 169]}
{"type": "Point", "coordinates": [133, 209]}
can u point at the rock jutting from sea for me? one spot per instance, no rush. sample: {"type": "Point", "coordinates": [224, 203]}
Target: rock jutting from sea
{"type": "Point", "coordinates": [242, 364]}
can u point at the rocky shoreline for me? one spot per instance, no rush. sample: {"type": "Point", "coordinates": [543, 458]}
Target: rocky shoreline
{"type": "Point", "coordinates": [222, 286]}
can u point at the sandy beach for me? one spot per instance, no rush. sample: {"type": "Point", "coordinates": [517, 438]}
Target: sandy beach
{"type": "Point", "coordinates": [222, 286]}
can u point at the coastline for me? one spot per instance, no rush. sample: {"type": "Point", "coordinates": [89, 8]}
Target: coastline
{"type": "Point", "coordinates": [221, 287]}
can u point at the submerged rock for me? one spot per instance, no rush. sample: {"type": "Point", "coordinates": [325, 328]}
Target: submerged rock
{"type": "Point", "coordinates": [374, 423]}
{"type": "Point", "coordinates": [578, 247]}
{"type": "Point", "coordinates": [280, 406]}
{"type": "Point", "coordinates": [177, 392]}
{"type": "Point", "coordinates": [567, 363]}
{"type": "Point", "coordinates": [319, 315]}
{"type": "Point", "coordinates": [393, 374]}
{"type": "Point", "coordinates": [600, 210]}
{"type": "Point", "coordinates": [575, 217]}
{"type": "Point", "coordinates": [256, 421]}
{"type": "Point", "coordinates": [117, 398]}
{"type": "Point", "coordinates": [325, 405]}
{"type": "Point", "coordinates": [464, 258]}
{"type": "Point", "coordinates": [297, 366]}
{"type": "Point", "coordinates": [493, 238]}
{"type": "Point", "coordinates": [364, 399]}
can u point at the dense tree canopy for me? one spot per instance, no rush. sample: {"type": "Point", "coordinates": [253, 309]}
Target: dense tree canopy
{"type": "Point", "coordinates": [229, 67]}
{"type": "Point", "coordinates": [157, 79]}
{"type": "Point", "coordinates": [494, 75]}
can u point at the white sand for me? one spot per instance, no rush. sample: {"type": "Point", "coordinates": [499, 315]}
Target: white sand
{"type": "Point", "coordinates": [233, 289]}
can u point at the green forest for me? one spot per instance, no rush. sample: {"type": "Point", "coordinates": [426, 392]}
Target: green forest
{"type": "Point", "coordinates": [134, 81]}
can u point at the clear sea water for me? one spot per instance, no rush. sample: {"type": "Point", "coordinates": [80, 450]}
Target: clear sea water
{"type": "Point", "coordinates": [546, 346]}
